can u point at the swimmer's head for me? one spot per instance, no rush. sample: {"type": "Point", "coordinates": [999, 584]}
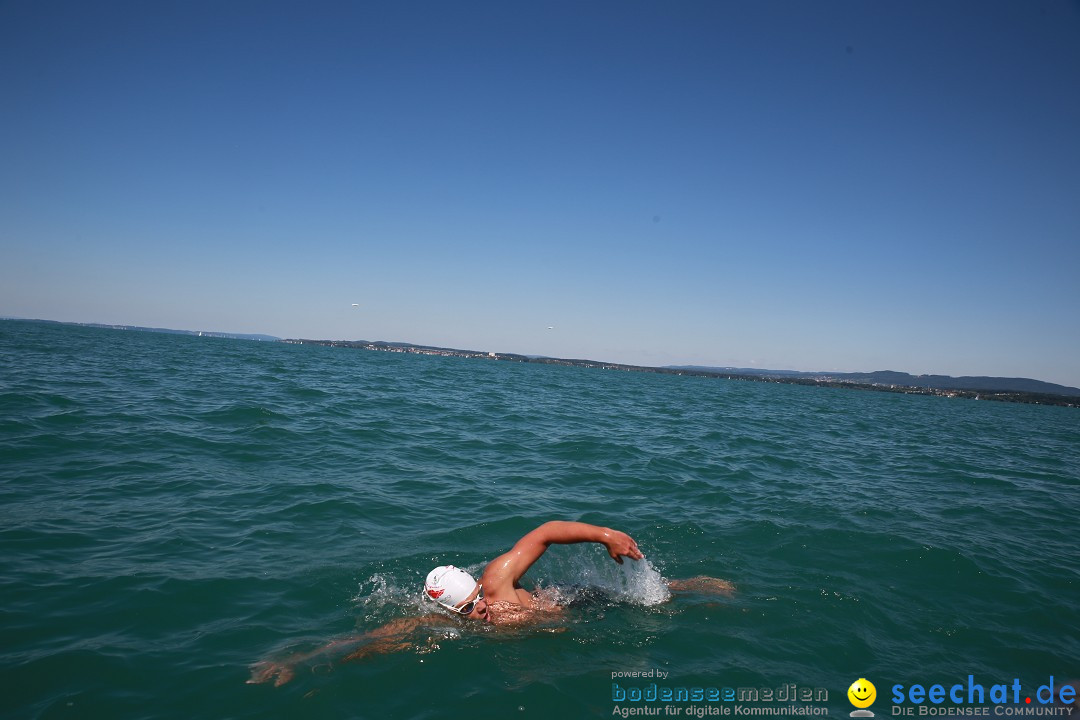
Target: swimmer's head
{"type": "Point", "coordinates": [455, 590]}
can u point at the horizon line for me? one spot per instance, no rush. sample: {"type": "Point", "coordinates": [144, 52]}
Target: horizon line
{"type": "Point", "coordinates": [690, 367]}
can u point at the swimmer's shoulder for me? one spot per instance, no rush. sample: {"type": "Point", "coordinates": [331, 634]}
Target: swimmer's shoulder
{"type": "Point", "coordinates": [520, 598]}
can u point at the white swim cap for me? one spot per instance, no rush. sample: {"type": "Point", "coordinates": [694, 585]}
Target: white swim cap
{"type": "Point", "coordinates": [449, 586]}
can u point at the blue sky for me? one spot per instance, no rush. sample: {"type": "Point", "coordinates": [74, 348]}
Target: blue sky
{"type": "Point", "coordinates": [792, 185]}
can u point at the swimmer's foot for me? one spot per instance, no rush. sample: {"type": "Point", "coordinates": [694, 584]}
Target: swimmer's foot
{"type": "Point", "coordinates": [266, 671]}
{"type": "Point", "coordinates": [703, 584]}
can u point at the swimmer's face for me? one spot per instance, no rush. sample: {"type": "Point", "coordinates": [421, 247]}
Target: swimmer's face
{"type": "Point", "coordinates": [478, 603]}
{"type": "Point", "coordinates": [862, 693]}
{"type": "Point", "coordinates": [480, 611]}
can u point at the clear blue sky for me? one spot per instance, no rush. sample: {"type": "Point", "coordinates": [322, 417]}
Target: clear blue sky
{"type": "Point", "coordinates": [804, 185]}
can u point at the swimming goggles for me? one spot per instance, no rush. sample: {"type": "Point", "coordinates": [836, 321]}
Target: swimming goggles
{"type": "Point", "coordinates": [468, 607]}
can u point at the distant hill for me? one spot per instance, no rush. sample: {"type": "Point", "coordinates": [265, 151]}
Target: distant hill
{"type": "Point", "coordinates": [902, 379]}
{"type": "Point", "coordinates": [1020, 390]}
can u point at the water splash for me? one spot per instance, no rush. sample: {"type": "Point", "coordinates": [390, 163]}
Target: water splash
{"type": "Point", "coordinates": [387, 594]}
{"type": "Point", "coordinates": [568, 575]}
{"type": "Point", "coordinates": [589, 567]}
{"type": "Point", "coordinates": [383, 595]}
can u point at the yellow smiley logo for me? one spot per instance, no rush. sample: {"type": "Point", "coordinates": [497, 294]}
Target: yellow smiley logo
{"type": "Point", "coordinates": [862, 693]}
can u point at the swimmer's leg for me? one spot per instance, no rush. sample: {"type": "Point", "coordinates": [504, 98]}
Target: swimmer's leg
{"type": "Point", "coordinates": [703, 584]}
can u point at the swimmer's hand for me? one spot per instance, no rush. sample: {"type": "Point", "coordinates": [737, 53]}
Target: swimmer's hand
{"type": "Point", "coordinates": [620, 545]}
{"type": "Point", "coordinates": [267, 670]}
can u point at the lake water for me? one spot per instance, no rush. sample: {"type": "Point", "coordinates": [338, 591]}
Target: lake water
{"type": "Point", "coordinates": [177, 508]}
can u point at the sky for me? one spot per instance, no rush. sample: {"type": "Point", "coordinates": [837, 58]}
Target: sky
{"type": "Point", "coordinates": [822, 186]}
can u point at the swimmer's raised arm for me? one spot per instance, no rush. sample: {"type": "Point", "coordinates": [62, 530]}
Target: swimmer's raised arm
{"type": "Point", "coordinates": [510, 566]}
{"type": "Point", "coordinates": [618, 544]}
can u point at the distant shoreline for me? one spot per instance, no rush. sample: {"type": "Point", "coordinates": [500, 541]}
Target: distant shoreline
{"type": "Point", "coordinates": [779, 377]}
{"type": "Point", "coordinates": [1030, 398]}
{"type": "Point", "coordinates": [166, 331]}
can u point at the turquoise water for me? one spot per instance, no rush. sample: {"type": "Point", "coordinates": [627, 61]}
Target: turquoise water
{"type": "Point", "coordinates": [177, 508]}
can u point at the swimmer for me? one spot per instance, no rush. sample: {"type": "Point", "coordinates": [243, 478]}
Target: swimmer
{"type": "Point", "coordinates": [497, 597]}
